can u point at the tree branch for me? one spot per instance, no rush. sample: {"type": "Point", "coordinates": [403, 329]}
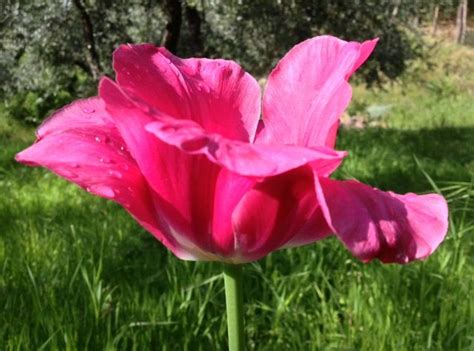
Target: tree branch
{"type": "Point", "coordinates": [172, 9]}
{"type": "Point", "coordinates": [92, 55]}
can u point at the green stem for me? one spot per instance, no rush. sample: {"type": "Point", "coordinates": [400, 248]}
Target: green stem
{"type": "Point", "coordinates": [235, 306]}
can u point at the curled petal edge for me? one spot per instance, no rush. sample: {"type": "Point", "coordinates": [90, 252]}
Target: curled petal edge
{"type": "Point", "coordinates": [374, 224]}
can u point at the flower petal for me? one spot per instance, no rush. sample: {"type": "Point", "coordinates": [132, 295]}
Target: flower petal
{"type": "Point", "coordinates": [187, 185]}
{"type": "Point", "coordinates": [230, 189]}
{"type": "Point", "coordinates": [281, 211]}
{"type": "Point", "coordinates": [80, 144]}
{"type": "Point", "coordinates": [246, 159]}
{"type": "Point", "coordinates": [200, 177]}
{"type": "Point", "coordinates": [217, 94]}
{"type": "Point", "coordinates": [239, 157]}
{"type": "Point", "coordinates": [80, 115]}
{"type": "Point", "coordinates": [308, 91]}
{"type": "Point", "coordinates": [384, 225]}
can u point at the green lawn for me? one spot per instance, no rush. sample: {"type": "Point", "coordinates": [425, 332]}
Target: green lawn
{"type": "Point", "coordinates": [78, 273]}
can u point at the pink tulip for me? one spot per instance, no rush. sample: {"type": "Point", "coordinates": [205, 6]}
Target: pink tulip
{"type": "Point", "coordinates": [179, 144]}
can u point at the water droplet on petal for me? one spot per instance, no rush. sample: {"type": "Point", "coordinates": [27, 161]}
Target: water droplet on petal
{"type": "Point", "coordinates": [88, 110]}
{"type": "Point", "coordinates": [105, 160]}
{"type": "Point", "coordinates": [98, 139]}
{"type": "Point", "coordinates": [115, 174]}
{"type": "Point", "coordinates": [102, 190]}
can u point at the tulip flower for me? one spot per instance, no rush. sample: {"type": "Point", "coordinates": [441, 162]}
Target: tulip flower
{"type": "Point", "coordinates": [183, 146]}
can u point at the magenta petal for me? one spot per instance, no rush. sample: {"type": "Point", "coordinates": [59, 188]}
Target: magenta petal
{"type": "Point", "coordinates": [384, 225]}
{"type": "Point", "coordinates": [183, 184]}
{"type": "Point", "coordinates": [230, 189]}
{"type": "Point", "coordinates": [281, 211]}
{"type": "Point", "coordinates": [80, 144]}
{"type": "Point", "coordinates": [217, 94]}
{"type": "Point", "coordinates": [308, 91]}
{"type": "Point", "coordinates": [189, 188]}
{"type": "Point", "coordinates": [199, 176]}
{"type": "Point", "coordinates": [239, 157]}
{"type": "Point", "coordinates": [256, 160]}
{"type": "Point", "coordinates": [80, 115]}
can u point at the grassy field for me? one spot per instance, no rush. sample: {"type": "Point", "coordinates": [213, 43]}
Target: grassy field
{"type": "Point", "coordinates": [78, 273]}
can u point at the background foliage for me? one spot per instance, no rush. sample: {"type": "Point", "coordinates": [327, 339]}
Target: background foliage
{"type": "Point", "coordinates": [54, 50]}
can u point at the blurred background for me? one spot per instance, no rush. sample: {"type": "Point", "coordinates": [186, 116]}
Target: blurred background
{"type": "Point", "coordinates": [53, 51]}
{"type": "Point", "coordinates": [77, 273]}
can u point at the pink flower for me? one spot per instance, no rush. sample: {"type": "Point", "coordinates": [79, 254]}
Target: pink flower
{"type": "Point", "coordinates": [179, 144]}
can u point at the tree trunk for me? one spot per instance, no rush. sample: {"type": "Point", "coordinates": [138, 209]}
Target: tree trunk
{"type": "Point", "coordinates": [92, 56]}
{"type": "Point", "coordinates": [461, 22]}
{"type": "Point", "coordinates": [194, 24]}
{"type": "Point", "coordinates": [434, 25]}
{"type": "Point", "coordinates": [172, 9]}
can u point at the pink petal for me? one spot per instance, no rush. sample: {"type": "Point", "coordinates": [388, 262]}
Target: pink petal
{"type": "Point", "coordinates": [79, 115]}
{"type": "Point", "coordinates": [80, 144]}
{"type": "Point", "coordinates": [199, 177]}
{"type": "Point", "coordinates": [246, 159]}
{"type": "Point", "coordinates": [236, 156]}
{"type": "Point", "coordinates": [384, 225]}
{"type": "Point", "coordinates": [281, 211]}
{"type": "Point", "coordinates": [186, 184]}
{"type": "Point", "coordinates": [308, 91]}
{"type": "Point", "coordinates": [183, 184]}
{"type": "Point", "coordinates": [217, 94]}
{"type": "Point", "coordinates": [230, 189]}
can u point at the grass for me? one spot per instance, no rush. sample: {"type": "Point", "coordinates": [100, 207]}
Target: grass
{"type": "Point", "coordinates": [78, 273]}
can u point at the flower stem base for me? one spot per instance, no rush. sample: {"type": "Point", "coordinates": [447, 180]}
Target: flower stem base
{"type": "Point", "coordinates": [234, 306]}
